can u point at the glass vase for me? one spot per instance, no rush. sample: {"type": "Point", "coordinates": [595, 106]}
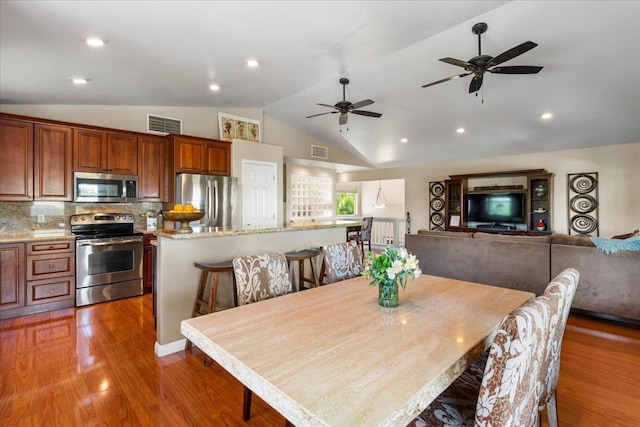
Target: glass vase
{"type": "Point", "coordinates": [388, 294]}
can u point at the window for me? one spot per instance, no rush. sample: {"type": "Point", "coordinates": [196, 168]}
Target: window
{"type": "Point", "coordinates": [346, 203]}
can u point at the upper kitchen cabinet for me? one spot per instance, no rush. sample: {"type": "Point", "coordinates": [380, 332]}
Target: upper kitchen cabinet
{"type": "Point", "coordinates": [105, 152]}
{"type": "Point", "coordinates": [53, 172]}
{"type": "Point", "coordinates": [16, 161]}
{"type": "Point", "coordinates": [152, 169]}
{"type": "Point", "coordinates": [200, 155]}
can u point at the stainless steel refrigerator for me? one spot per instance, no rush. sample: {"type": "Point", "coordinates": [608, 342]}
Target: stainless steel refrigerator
{"type": "Point", "coordinates": [216, 195]}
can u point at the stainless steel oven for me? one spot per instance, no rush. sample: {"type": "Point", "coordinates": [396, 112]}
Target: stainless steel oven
{"type": "Point", "coordinates": [108, 257]}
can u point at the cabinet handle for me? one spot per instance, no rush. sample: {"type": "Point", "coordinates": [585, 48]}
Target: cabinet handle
{"type": "Point", "coordinates": [51, 266]}
{"type": "Point", "coordinates": [52, 291]}
{"type": "Point", "coordinates": [50, 247]}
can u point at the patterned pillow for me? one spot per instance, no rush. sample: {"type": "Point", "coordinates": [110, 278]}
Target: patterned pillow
{"type": "Point", "coordinates": [261, 277]}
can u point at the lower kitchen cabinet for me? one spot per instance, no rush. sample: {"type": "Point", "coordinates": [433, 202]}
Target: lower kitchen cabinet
{"type": "Point", "coordinates": [36, 277]}
{"type": "Point", "coordinates": [147, 263]}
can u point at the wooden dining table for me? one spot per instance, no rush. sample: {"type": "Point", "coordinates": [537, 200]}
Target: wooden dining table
{"type": "Point", "coordinates": [331, 356]}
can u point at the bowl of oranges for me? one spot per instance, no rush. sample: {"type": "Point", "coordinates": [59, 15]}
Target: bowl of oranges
{"type": "Point", "coordinates": [184, 214]}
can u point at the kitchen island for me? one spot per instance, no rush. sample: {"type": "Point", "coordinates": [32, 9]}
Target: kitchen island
{"type": "Point", "coordinates": [177, 277]}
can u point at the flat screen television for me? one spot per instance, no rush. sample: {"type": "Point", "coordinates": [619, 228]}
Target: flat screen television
{"type": "Point", "coordinates": [496, 207]}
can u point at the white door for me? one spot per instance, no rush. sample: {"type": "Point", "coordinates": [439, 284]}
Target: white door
{"type": "Point", "coordinates": [259, 193]}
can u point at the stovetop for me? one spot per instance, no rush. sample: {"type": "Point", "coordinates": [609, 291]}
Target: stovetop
{"type": "Point", "coordinates": [103, 225]}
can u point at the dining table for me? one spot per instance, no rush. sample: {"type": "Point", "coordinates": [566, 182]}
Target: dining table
{"type": "Point", "coordinates": [331, 356]}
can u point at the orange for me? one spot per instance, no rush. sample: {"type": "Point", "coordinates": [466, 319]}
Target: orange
{"type": "Point", "coordinates": [178, 207]}
{"type": "Point", "coordinates": [189, 208]}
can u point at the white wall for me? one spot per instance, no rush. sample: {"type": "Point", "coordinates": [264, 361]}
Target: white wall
{"type": "Point", "coordinates": [618, 167]}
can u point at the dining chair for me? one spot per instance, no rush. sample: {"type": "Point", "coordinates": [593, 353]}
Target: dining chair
{"type": "Point", "coordinates": [460, 404]}
{"type": "Point", "coordinates": [364, 235]}
{"type": "Point", "coordinates": [340, 261]}
{"type": "Point", "coordinates": [260, 277]}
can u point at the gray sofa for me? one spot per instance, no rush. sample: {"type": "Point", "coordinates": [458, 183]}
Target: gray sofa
{"type": "Point", "coordinates": [609, 284]}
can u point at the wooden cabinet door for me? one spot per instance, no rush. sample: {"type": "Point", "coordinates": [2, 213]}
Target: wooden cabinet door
{"type": "Point", "coordinates": [53, 163]}
{"type": "Point", "coordinates": [122, 154]}
{"type": "Point", "coordinates": [12, 269]}
{"type": "Point", "coordinates": [190, 155]}
{"type": "Point", "coordinates": [151, 169]}
{"type": "Point", "coordinates": [147, 263]}
{"type": "Point", "coordinates": [218, 158]}
{"type": "Point", "coordinates": [89, 150]}
{"type": "Point", "coordinates": [16, 160]}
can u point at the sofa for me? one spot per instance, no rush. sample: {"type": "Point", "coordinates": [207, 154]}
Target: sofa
{"type": "Point", "coordinates": [609, 283]}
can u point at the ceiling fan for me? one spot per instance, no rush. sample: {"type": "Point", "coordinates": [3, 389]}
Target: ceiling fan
{"type": "Point", "coordinates": [481, 63]}
{"type": "Point", "coordinates": [345, 107]}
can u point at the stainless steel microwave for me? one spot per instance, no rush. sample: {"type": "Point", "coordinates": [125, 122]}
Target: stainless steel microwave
{"type": "Point", "coordinates": [105, 188]}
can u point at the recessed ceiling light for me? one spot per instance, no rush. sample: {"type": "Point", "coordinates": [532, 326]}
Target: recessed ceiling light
{"type": "Point", "coordinates": [460, 130]}
{"type": "Point", "coordinates": [95, 41]}
{"type": "Point", "coordinates": [80, 80]}
{"type": "Point", "coordinates": [214, 87]}
{"type": "Point", "coordinates": [404, 140]}
{"type": "Point", "coordinates": [252, 62]}
{"type": "Point", "coordinates": [546, 116]}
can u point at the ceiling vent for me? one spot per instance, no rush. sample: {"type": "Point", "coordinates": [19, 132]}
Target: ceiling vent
{"type": "Point", "coordinates": [319, 152]}
{"type": "Point", "coordinates": [163, 125]}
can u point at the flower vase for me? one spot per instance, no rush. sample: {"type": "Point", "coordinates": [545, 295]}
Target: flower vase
{"type": "Point", "coordinates": [388, 294]}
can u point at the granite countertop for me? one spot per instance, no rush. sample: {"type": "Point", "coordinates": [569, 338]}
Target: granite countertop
{"type": "Point", "coordinates": [208, 232]}
{"type": "Point", "coordinates": [35, 235]}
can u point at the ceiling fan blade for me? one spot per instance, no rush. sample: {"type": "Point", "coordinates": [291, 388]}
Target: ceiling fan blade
{"type": "Point", "coordinates": [327, 105]}
{"type": "Point", "coordinates": [476, 83]}
{"type": "Point", "coordinates": [321, 114]}
{"type": "Point", "coordinates": [516, 69]}
{"type": "Point", "coordinates": [446, 80]}
{"type": "Point", "coordinates": [512, 53]}
{"type": "Point", "coordinates": [362, 104]}
{"type": "Point", "coordinates": [457, 62]}
{"type": "Point", "coordinates": [366, 113]}
{"type": "Point", "coordinates": [343, 119]}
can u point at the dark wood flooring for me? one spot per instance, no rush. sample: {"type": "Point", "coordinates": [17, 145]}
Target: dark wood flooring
{"type": "Point", "coordinates": [95, 366]}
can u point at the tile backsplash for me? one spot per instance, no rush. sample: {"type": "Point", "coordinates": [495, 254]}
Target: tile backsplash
{"type": "Point", "coordinates": [18, 217]}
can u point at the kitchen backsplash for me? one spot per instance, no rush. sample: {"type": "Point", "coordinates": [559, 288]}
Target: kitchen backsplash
{"type": "Point", "coordinates": [17, 217]}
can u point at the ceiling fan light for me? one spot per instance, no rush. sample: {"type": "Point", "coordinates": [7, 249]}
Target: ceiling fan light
{"type": "Point", "coordinates": [381, 201]}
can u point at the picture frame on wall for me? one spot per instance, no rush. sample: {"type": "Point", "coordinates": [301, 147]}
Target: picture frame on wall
{"type": "Point", "coordinates": [455, 221]}
{"type": "Point", "coordinates": [234, 127]}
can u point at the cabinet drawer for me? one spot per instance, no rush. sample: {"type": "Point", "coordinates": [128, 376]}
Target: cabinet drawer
{"type": "Point", "coordinates": [54, 246]}
{"type": "Point", "coordinates": [49, 266]}
{"type": "Point", "coordinates": [50, 290]}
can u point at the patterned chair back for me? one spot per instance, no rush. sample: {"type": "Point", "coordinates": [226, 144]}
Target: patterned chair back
{"type": "Point", "coordinates": [563, 286]}
{"type": "Point", "coordinates": [341, 261]}
{"type": "Point", "coordinates": [509, 393]}
{"type": "Point", "coordinates": [261, 277]}
{"type": "Point", "coordinates": [366, 228]}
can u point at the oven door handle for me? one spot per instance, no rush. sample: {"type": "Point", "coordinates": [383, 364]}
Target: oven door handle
{"type": "Point", "coordinates": [108, 243]}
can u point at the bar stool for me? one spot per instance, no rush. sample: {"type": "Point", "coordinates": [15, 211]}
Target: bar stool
{"type": "Point", "coordinates": [300, 257]}
{"type": "Point", "coordinates": [210, 304]}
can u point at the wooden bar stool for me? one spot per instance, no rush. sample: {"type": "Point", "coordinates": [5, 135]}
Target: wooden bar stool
{"type": "Point", "coordinates": [209, 305]}
{"type": "Point", "coordinates": [300, 257]}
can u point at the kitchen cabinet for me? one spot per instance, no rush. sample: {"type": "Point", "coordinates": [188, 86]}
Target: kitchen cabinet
{"type": "Point", "coordinates": [147, 263]}
{"type": "Point", "coordinates": [53, 164]}
{"type": "Point", "coordinates": [51, 272]}
{"type": "Point", "coordinates": [105, 152]}
{"type": "Point", "coordinates": [200, 155]}
{"type": "Point", "coordinates": [37, 161]}
{"type": "Point", "coordinates": [152, 169]}
{"type": "Point", "coordinates": [16, 161]}
{"type": "Point", "coordinates": [12, 283]}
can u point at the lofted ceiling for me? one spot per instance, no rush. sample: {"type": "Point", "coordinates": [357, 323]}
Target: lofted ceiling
{"type": "Point", "coordinates": [167, 53]}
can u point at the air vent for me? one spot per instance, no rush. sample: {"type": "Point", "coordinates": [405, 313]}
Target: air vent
{"type": "Point", "coordinates": [163, 125]}
{"type": "Point", "coordinates": [319, 152]}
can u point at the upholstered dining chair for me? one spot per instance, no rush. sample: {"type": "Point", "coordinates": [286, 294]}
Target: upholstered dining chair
{"type": "Point", "coordinates": [260, 277]}
{"type": "Point", "coordinates": [340, 261]}
{"type": "Point", "coordinates": [461, 403]}
{"type": "Point", "coordinates": [364, 235]}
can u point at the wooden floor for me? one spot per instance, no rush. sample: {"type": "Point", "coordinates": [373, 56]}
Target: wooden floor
{"type": "Point", "coordinates": [95, 366]}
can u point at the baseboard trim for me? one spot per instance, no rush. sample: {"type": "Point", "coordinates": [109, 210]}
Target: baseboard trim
{"type": "Point", "coordinates": [162, 350]}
